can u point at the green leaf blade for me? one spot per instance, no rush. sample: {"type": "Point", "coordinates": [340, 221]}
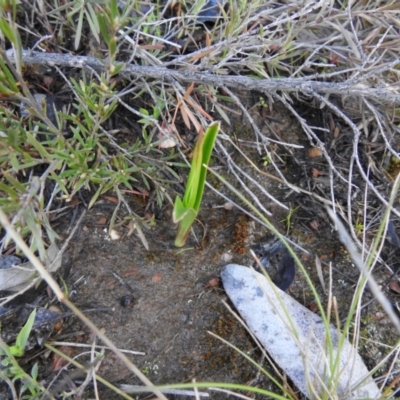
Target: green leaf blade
{"type": "Point", "coordinates": [208, 145]}
{"type": "Point", "coordinates": [184, 227]}
{"type": "Point", "coordinates": [23, 336]}
{"type": "Point", "coordinates": [179, 210]}
{"type": "Point", "coordinates": [185, 211]}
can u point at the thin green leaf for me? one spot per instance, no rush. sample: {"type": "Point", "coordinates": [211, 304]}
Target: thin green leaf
{"type": "Point", "coordinates": [7, 31]}
{"type": "Point", "coordinates": [102, 23]}
{"type": "Point", "coordinates": [118, 68]}
{"type": "Point", "coordinates": [179, 210]}
{"type": "Point", "coordinates": [13, 194]}
{"type": "Point", "coordinates": [222, 113]}
{"type": "Point", "coordinates": [15, 184]}
{"type": "Point", "coordinates": [9, 77]}
{"type": "Point", "coordinates": [95, 197]}
{"type": "Point", "coordinates": [192, 183]}
{"type": "Point", "coordinates": [34, 371]}
{"type": "Point", "coordinates": [78, 33]}
{"type": "Point", "coordinates": [93, 22]}
{"type": "Point", "coordinates": [37, 145]}
{"type": "Point", "coordinates": [184, 227]}
{"type": "Point", "coordinates": [23, 336]}
{"type": "Point", "coordinates": [208, 145]}
{"type": "Point", "coordinates": [185, 211]}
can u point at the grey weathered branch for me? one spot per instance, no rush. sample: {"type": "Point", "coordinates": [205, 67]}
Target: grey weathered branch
{"type": "Point", "coordinates": [348, 88]}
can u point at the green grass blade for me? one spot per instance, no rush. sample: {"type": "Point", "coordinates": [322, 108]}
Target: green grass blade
{"type": "Point", "coordinates": [197, 176]}
{"type": "Point", "coordinates": [185, 211]}
{"type": "Point", "coordinates": [184, 227]}
{"type": "Point", "coordinates": [179, 210]}
{"type": "Point", "coordinates": [23, 336]}
{"type": "Point", "coordinates": [208, 144]}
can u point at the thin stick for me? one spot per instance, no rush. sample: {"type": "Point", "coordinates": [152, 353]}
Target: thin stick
{"type": "Point", "coordinates": [290, 85]}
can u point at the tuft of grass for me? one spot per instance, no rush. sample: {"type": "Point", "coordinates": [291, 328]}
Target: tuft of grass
{"type": "Point", "coordinates": [73, 151]}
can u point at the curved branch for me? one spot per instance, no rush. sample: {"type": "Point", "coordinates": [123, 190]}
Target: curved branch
{"type": "Point", "coordinates": [308, 87]}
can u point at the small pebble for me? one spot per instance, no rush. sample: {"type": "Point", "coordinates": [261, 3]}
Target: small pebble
{"type": "Point", "coordinates": [226, 257]}
{"type": "Point", "coordinates": [126, 301]}
{"type": "Point", "coordinates": [213, 281]}
{"type": "Point", "coordinates": [114, 235]}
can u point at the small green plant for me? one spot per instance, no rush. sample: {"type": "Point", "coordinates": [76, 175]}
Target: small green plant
{"type": "Point", "coordinates": [10, 368]}
{"type": "Point", "coordinates": [266, 160]}
{"type": "Point", "coordinates": [185, 211]}
{"type": "Point", "coordinates": [262, 102]}
{"type": "Point", "coordinates": [148, 119]}
{"type": "Point", "coordinates": [359, 226]}
{"type": "Point", "coordinates": [22, 339]}
{"type": "Point", "coordinates": [288, 219]}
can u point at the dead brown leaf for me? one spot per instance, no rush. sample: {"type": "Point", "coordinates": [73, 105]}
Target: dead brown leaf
{"type": "Point", "coordinates": [102, 221]}
{"type": "Point", "coordinates": [111, 198]}
{"type": "Point", "coordinates": [315, 152]}
{"type": "Point", "coordinates": [59, 362]}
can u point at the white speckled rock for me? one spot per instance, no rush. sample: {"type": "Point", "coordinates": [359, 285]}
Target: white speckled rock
{"type": "Point", "coordinates": [303, 359]}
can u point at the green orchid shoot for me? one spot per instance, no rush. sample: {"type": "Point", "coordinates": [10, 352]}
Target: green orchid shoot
{"type": "Point", "coordinates": [185, 211]}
